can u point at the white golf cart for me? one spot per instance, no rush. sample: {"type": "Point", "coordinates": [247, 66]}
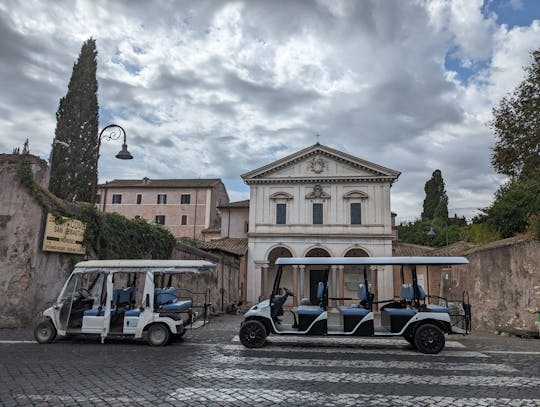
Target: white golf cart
{"type": "Point", "coordinates": [410, 316]}
{"type": "Point", "coordinates": [132, 298]}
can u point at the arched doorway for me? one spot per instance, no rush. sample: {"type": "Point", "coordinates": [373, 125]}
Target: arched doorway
{"type": "Point", "coordinates": [316, 273]}
{"type": "Point", "coordinates": [286, 278]}
{"type": "Point", "coordinates": [354, 275]}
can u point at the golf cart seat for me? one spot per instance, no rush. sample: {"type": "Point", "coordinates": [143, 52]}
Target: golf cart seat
{"type": "Point", "coordinates": [431, 307]}
{"type": "Point", "coordinates": [407, 292]}
{"type": "Point", "coordinates": [167, 300]}
{"type": "Point", "coordinates": [313, 309]}
{"type": "Point", "coordinates": [121, 298]}
{"type": "Point", "coordinates": [94, 312]}
{"type": "Point", "coordinates": [357, 309]}
{"type": "Point", "coordinates": [133, 312]}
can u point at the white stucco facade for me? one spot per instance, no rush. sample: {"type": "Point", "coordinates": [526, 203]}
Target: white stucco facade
{"type": "Point", "coordinates": [350, 196]}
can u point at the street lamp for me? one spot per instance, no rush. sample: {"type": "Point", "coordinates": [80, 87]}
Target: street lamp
{"type": "Point", "coordinates": [432, 232]}
{"type": "Point", "coordinates": [124, 154]}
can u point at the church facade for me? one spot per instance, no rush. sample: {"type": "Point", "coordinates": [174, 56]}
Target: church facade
{"type": "Point", "coordinates": [318, 202]}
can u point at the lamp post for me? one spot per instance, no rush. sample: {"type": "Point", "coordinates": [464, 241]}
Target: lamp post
{"type": "Point", "coordinates": [114, 134]}
{"type": "Point", "coordinates": [432, 232]}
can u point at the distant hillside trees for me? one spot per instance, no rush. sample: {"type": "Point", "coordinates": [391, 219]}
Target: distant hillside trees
{"type": "Point", "coordinates": [435, 217]}
{"type": "Point", "coordinates": [73, 155]}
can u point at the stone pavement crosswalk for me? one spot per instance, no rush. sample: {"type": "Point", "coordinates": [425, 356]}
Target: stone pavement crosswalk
{"type": "Point", "coordinates": [311, 371]}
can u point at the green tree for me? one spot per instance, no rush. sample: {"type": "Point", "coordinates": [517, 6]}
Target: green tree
{"type": "Point", "coordinates": [516, 125]}
{"type": "Point", "coordinates": [515, 209]}
{"type": "Point", "coordinates": [73, 155]}
{"type": "Point", "coordinates": [436, 202]}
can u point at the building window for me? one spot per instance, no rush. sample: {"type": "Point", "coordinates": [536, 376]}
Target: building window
{"type": "Point", "coordinates": [246, 227]}
{"type": "Point", "coordinates": [317, 213]}
{"type": "Point", "coordinates": [185, 199]}
{"type": "Point", "coordinates": [356, 213]}
{"type": "Point", "coordinates": [117, 199]}
{"type": "Point", "coordinates": [184, 220]}
{"type": "Point", "coordinates": [139, 199]}
{"type": "Point", "coordinates": [162, 199]}
{"type": "Point", "coordinates": [281, 214]}
{"type": "Point", "coordinates": [98, 199]}
{"type": "Point", "coordinates": [160, 219]}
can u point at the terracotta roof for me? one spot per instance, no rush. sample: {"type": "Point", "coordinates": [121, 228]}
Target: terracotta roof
{"type": "Point", "coordinates": [238, 204]}
{"type": "Point", "coordinates": [499, 243]}
{"type": "Point", "coordinates": [215, 229]}
{"type": "Point", "coordinates": [238, 246]}
{"type": "Point", "coordinates": [457, 248]}
{"type": "Point", "coordinates": [409, 249]}
{"type": "Point", "coordinates": [161, 183]}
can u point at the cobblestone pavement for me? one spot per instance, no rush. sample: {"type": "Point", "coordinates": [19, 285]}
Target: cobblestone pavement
{"type": "Point", "coordinates": [210, 367]}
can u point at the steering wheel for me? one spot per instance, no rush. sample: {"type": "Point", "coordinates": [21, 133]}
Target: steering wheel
{"type": "Point", "coordinates": [84, 292]}
{"type": "Point", "coordinates": [288, 292]}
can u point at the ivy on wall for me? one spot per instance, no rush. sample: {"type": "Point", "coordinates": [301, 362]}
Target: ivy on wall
{"type": "Point", "coordinates": [108, 235]}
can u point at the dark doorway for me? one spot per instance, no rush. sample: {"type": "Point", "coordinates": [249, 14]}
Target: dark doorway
{"type": "Point", "coordinates": [314, 277]}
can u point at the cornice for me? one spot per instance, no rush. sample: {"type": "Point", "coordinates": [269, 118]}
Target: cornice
{"type": "Point", "coordinates": [326, 235]}
{"type": "Point", "coordinates": [333, 180]}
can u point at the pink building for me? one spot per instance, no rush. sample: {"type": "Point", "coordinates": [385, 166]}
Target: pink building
{"type": "Point", "coordinates": [187, 207]}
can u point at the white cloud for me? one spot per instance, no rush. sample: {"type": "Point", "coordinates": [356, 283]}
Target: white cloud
{"type": "Point", "coordinates": [215, 89]}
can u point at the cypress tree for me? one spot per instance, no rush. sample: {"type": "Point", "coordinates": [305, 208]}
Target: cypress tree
{"type": "Point", "coordinates": [73, 155]}
{"type": "Point", "coordinates": [436, 202]}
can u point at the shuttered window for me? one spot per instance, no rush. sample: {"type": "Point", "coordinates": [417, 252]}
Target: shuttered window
{"type": "Point", "coordinates": [356, 213]}
{"type": "Point", "coordinates": [317, 213]}
{"type": "Point", "coordinates": [281, 214]}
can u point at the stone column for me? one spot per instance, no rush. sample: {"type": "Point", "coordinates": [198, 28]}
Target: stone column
{"type": "Point", "coordinates": [341, 284]}
{"type": "Point", "coordinates": [385, 282]}
{"type": "Point", "coordinates": [264, 281]}
{"type": "Point", "coordinates": [295, 283]}
{"type": "Point", "coordinates": [302, 288]}
{"type": "Point", "coordinates": [254, 283]}
{"type": "Point", "coordinates": [334, 284]}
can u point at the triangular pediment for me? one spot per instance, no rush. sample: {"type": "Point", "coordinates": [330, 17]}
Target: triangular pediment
{"type": "Point", "coordinates": [320, 162]}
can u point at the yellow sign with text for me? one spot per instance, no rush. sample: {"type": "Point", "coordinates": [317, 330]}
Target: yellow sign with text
{"type": "Point", "coordinates": [65, 237]}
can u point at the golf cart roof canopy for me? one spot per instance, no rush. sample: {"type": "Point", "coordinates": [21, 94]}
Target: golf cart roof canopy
{"type": "Point", "coordinates": [371, 261]}
{"type": "Point", "coordinates": [168, 266]}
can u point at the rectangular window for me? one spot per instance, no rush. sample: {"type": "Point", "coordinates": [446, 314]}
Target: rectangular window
{"type": "Point", "coordinates": [184, 220]}
{"type": "Point", "coordinates": [281, 214]}
{"type": "Point", "coordinates": [117, 199]}
{"type": "Point", "coordinates": [185, 199]}
{"type": "Point", "coordinates": [98, 199]}
{"type": "Point", "coordinates": [160, 219]}
{"type": "Point", "coordinates": [317, 213]}
{"type": "Point", "coordinates": [162, 199]}
{"type": "Point", "coordinates": [356, 214]}
{"type": "Point", "coordinates": [139, 199]}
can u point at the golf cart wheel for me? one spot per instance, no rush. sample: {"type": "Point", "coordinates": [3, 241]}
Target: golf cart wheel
{"type": "Point", "coordinates": [45, 332]}
{"type": "Point", "coordinates": [158, 335]}
{"type": "Point", "coordinates": [429, 338]}
{"type": "Point", "coordinates": [253, 334]}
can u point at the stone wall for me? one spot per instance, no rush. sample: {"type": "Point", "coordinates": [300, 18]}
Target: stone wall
{"type": "Point", "coordinates": [223, 282]}
{"type": "Point", "coordinates": [503, 280]}
{"type": "Point", "coordinates": [30, 279]}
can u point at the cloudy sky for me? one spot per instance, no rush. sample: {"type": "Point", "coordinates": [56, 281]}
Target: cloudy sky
{"type": "Point", "coordinates": [215, 89]}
